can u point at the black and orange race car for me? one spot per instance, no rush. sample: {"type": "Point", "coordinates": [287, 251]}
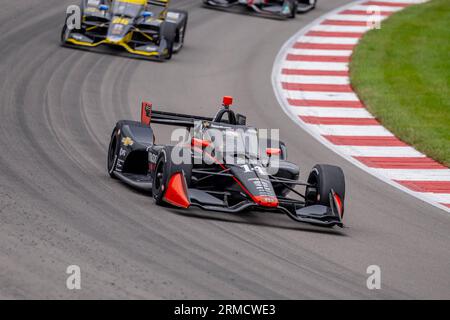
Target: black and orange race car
{"type": "Point", "coordinates": [221, 164]}
{"type": "Point", "coordinates": [146, 28]}
{"type": "Point", "coordinates": [282, 9]}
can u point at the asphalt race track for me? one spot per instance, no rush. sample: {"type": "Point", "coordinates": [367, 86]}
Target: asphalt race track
{"type": "Point", "coordinates": [58, 206]}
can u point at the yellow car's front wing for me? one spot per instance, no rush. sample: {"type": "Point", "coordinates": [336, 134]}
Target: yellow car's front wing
{"type": "Point", "coordinates": [122, 43]}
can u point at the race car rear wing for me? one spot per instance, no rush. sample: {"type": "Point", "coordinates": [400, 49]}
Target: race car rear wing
{"type": "Point", "coordinates": [161, 3]}
{"type": "Point", "coordinates": [149, 116]}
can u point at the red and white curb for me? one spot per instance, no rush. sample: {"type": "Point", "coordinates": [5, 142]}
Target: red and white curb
{"type": "Point", "coordinates": [311, 82]}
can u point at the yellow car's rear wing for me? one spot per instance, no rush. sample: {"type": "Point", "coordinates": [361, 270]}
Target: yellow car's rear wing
{"type": "Point", "coordinates": [161, 3]}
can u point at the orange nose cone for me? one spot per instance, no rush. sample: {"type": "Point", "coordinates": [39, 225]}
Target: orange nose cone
{"type": "Point", "coordinates": [266, 201]}
{"type": "Point", "coordinates": [176, 193]}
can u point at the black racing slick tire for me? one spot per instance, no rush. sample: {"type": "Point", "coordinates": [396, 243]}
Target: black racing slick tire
{"type": "Point", "coordinates": [292, 7]}
{"type": "Point", "coordinates": [113, 153]}
{"type": "Point", "coordinates": [161, 176]}
{"type": "Point", "coordinates": [304, 6]}
{"type": "Point", "coordinates": [322, 179]}
{"type": "Point", "coordinates": [168, 33]}
{"type": "Point", "coordinates": [180, 34]}
{"type": "Point", "coordinates": [65, 32]}
{"type": "Point", "coordinates": [169, 50]}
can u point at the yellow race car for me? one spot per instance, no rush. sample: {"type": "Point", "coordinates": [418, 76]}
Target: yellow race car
{"type": "Point", "coordinates": [142, 27]}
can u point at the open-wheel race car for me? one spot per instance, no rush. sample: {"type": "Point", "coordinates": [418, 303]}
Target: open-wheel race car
{"type": "Point", "coordinates": [216, 165]}
{"type": "Point", "coordinates": [281, 9]}
{"type": "Point", "coordinates": [146, 28]}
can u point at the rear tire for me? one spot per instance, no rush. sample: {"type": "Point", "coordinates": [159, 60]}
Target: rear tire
{"type": "Point", "coordinates": [323, 179]}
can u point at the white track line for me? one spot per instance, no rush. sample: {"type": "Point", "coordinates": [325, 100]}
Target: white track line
{"type": "Point", "coordinates": [356, 151]}
{"type": "Point", "coordinates": [435, 197]}
{"type": "Point", "coordinates": [312, 52]}
{"type": "Point", "coordinates": [328, 40]}
{"type": "Point", "coordinates": [412, 175]}
{"type": "Point", "coordinates": [331, 28]}
{"type": "Point", "coordinates": [314, 79]}
{"type": "Point", "coordinates": [381, 8]}
{"type": "Point", "coordinates": [333, 112]}
{"type": "Point", "coordinates": [416, 174]}
{"type": "Point", "coordinates": [405, 1]}
{"type": "Point", "coordinates": [347, 17]}
{"type": "Point", "coordinates": [331, 96]}
{"type": "Point", "coordinates": [325, 66]}
{"type": "Point", "coordinates": [349, 131]}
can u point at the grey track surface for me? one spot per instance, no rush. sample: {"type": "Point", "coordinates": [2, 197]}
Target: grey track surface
{"type": "Point", "coordinates": [58, 206]}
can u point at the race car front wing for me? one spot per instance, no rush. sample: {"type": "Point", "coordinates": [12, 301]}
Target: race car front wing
{"type": "Point", "coordinates": [148, 50]}
{"type": "Point", "coordinates": [321, 215]}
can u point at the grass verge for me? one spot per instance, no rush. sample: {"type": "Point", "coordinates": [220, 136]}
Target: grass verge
{"type": "Point", "coordinates": [402, 73]}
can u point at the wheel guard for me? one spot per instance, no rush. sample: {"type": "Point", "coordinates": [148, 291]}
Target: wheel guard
{"type": "Point", "coordinates": [177, 193]}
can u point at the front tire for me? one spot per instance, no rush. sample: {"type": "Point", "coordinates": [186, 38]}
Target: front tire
{"type": "Point", "coordinates": [322, 179]}
{"type": "Point", "coordinates": [168, 34]}
{"type": "Point", "coordinates": [169, 50]}
{"type": "Point", "coordinates": [113, 153]}
{"type": "Point", "coordinates": [180, 34]}
{"type": "Point", "coordinates": [65, 33]}
{"type": "Point", "coordinates": [292, 7]}
{"type": "Point", "coordinates": [304, 6]}
{"type": "Point", "coordinates": [161, 176]}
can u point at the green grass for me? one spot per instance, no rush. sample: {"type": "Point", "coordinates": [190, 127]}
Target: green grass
{"type": "Point", "coordinates": [402, 73]}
